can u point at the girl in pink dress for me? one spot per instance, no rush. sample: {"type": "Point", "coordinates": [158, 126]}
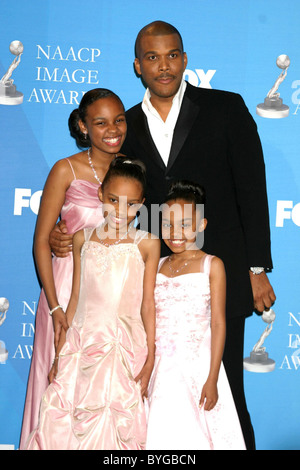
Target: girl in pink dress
{"type": "Point", "coordinates": [71, 191]}
{"type": "Point", "coordinates": [190, 402]}
{"type": "Point", "coordinates": [104, 361]}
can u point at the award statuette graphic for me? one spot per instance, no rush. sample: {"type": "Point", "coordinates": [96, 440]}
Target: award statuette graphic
{"type": "Point", "coordinates": [8, 91]}
{"type": "Point", "coordinates": [259, 359]}
{"type": "Point", "coordinates": [4, 306]}
{"type": "Point", "coordinates": [273, 106]}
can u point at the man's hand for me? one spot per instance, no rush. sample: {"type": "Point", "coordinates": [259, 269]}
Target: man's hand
{"type": "Point", "coordinates": [60, 241]}
{"type": "Point", "coordinates": [263, 294]}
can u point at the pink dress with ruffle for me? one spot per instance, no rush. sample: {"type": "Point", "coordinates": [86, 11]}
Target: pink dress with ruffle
{"type": "Point", "coordinates": [94, 403]}
{"type": "Point", "coordinates": [183, 351]}
{"type": "Point", "coordinates": [82, 208]}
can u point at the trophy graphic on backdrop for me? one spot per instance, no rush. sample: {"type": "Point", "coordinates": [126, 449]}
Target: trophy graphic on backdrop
{"type": "Point", "coordinates": [8, 91]}
{"type": "Point", "coordinates": [259, 359]}
{"type": "Point", "coordinates": [4, 306]}
{"type": "Point", "coordinates": [273, 106]}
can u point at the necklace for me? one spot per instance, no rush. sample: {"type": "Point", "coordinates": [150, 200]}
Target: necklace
{"type": "Point", "coordinates": [98, 229]}
{"type": "Point", "coordinates": [92, 166]}
{"type": "Point", "coordinates": [176, 271]}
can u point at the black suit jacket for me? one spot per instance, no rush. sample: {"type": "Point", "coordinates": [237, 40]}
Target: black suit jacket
{"type": "Point", "coordinates": [216, 144]}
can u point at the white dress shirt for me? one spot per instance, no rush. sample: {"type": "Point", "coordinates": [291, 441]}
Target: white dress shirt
{"type": "Point", "coordinates": [162, 131]}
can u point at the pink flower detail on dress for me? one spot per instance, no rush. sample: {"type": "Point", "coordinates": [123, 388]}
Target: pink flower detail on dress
{"type": "Point", "coordinates": [165, 347]}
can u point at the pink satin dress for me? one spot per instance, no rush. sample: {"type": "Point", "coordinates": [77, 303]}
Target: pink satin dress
{"type": "Point", "coordinates": [94, 403]}
{"type": "Point", "coordinates": [82, 208]}
{"type": "Point", "coordinates": [183, 352]}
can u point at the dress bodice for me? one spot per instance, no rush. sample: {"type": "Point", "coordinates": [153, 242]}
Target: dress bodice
{"type": "Point", "coordinates": [182, 309]}
{"type": "Point", "coordinates": [111, 277]}
{"type": "Point", "coordinates": [82, 207]}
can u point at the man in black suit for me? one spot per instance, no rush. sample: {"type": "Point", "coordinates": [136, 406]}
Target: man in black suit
{"type": "Point", "coordinates": [207, 136]}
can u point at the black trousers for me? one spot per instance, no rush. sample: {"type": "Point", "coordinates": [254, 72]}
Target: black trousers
{"type": "Point", "coordinates": [233, 363]}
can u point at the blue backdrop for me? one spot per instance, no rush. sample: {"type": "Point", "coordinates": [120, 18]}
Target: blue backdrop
{"type": "Point", "coordinates": [71, 47]}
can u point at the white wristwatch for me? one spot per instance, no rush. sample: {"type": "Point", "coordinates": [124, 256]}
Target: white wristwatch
{"type": "Point", "coordinates": [257, 270]}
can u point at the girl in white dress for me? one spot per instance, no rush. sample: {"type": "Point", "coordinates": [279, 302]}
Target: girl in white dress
{"type": "Point", "coordinates": [190, 401]}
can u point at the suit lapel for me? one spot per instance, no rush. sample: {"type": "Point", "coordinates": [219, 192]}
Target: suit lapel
{"type": "Point", "coordinates": [188, 113]}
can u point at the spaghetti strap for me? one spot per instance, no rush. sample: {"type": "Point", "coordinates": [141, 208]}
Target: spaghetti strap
{"type": "Point", "coordinates": [161, 262]}
{"type": "Point", "coordinates": [139, 236]}
{"type": "Point", "coordinates": [206, 263]}
{"type": "Point", "coordinates": [71, 168]}
{"type": "Point", "coordinates": [88, 233]}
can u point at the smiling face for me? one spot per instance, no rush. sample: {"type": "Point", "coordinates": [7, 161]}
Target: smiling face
{"type": "Point", "coordinates": [161, 63]}
{"type": "Point", "coordinates": [181, 222]}
{"type": "Point", "coordinates": [105, 124]}
{"type": "Point", "coordinates": [121, 197]}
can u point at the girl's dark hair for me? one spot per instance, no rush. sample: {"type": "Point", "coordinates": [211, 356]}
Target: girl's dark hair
{"type": "Point", "coordinates": [127, 168]}
{"type": "Point", "coordinates": [188, 191]}
{"type": "Point", "coordinates": [83, 140]}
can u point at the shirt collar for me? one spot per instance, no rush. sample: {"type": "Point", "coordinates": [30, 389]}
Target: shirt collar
{"type": "Point", "coordinates": [177, 100]}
